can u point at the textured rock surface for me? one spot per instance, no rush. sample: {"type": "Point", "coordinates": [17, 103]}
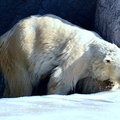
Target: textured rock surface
{"type": "Point", "coordinates": [80, 12]}
{"type": "Point", "coordinates": [108, 20]}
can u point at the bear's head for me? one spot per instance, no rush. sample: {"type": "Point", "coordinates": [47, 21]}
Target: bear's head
{"type": "Point", "coordinates": [105, 62]}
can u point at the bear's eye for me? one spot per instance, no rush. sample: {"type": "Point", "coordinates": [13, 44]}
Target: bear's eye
{"type": "Point", "coordinates": [108, 61]}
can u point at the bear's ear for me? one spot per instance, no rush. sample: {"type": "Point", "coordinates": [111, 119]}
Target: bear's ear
{"type": "Point", "coordinates": [107, 60]}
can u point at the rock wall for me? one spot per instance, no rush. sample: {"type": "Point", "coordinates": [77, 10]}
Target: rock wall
{"type": "Point", "coordinates": [108, 20]}
{"type": "Point", "coordinates": [80, 12]}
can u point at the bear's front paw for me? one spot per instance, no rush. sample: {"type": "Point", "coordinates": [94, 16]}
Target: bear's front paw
{"type": "Point", "coordinates": [106, 85]}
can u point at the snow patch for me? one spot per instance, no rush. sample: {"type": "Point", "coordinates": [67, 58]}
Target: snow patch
{"type": "Point", "coordinates": [100, 106]}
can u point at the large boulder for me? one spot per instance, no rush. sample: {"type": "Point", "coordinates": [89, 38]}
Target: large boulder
{"type": "Point", "coordinates": [108, 20]}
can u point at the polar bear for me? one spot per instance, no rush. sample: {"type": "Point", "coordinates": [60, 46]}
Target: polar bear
{"type": "Point", "coordinates": [38, 45]}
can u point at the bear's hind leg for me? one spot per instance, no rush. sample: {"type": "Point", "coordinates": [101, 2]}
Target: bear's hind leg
{"type": "Point", "coordinates": [19, 83]}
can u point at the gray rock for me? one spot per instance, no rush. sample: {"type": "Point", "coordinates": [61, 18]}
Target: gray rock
{"type": "Point", "coordinates": [108, 20]}
{"type": "Point", "coordinates": [79, 12]}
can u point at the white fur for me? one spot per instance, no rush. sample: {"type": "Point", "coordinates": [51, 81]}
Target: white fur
{"type": "Point", "coordinates": [40, 44]}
